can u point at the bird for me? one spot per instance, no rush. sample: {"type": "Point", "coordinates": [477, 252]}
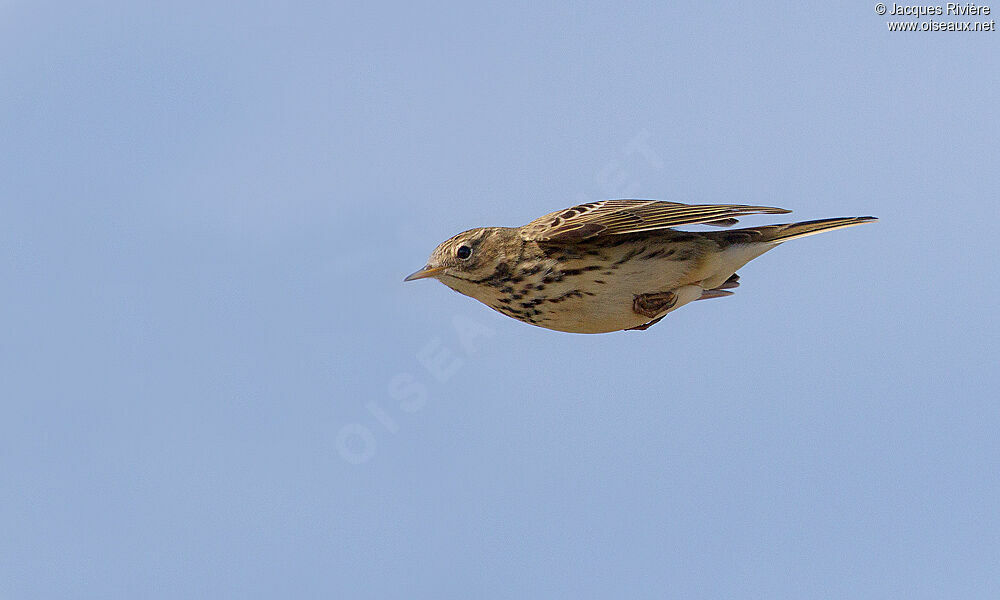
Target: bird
{"type": "Point", "coordinates": [611, 265]}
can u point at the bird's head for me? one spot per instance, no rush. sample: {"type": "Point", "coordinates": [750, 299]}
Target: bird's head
{"type": "Point", "coordinates": [469, 256]}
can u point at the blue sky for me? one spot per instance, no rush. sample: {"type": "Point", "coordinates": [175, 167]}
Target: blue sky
{"type": "Point", "coordinates": [215, 383]}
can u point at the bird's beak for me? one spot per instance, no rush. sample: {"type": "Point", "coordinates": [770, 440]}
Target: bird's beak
{"type": "Point", "coordinates": [427, 271]}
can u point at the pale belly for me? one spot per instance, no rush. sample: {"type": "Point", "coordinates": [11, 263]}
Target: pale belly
{"type": "Point", "coordinates": [600, 301]}
{"type": "Point", "coordinates": [605, 313]}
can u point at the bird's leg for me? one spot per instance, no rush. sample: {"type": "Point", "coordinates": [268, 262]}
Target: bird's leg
{"type": "Point", "coordinates": [719, 291]}
{"type": "Point", "coordinates": [651, 305]}
{"type": "Point", "coordinates": [714, 293]}
{"type": "Point", "coordinates": [732, 282]}
{"type": "Point", "coordinates": [647, 325]}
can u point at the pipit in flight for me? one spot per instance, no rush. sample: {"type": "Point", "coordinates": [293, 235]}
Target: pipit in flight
{"type": "Point", "coordinates": [611, 265]}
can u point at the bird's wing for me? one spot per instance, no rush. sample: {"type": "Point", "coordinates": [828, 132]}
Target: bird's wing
{"type": "Point", "coordinates": [613, 217]}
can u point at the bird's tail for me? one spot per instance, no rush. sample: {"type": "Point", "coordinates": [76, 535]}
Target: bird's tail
{"type": "Point", "coordinates": [740, 246]}
{"type": "Point", "coordinates": [776, 234]}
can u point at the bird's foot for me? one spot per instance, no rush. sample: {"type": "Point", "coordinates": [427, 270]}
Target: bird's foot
{"type": "Point", "coordinates": [647, 325]}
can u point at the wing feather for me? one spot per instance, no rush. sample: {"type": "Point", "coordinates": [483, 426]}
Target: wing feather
{"type": "Point", "coordinates": [615, 217]}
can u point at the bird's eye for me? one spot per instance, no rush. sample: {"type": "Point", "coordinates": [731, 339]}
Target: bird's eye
{"type": "Point", "coordinates": [463, 252]}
